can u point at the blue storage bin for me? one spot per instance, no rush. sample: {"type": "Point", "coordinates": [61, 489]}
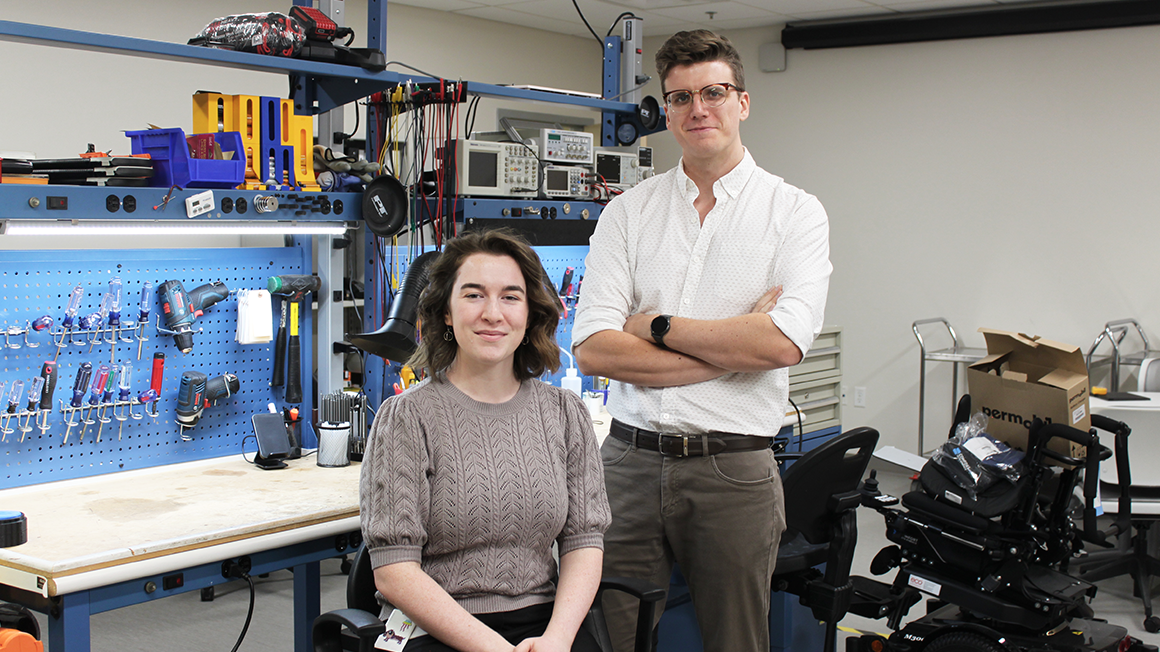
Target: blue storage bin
{"type": "Point", "coordinates": [172, 165]}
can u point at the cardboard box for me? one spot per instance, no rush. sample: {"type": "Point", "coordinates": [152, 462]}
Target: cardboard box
{"type": "Point", "coordinates": [1024, 377]}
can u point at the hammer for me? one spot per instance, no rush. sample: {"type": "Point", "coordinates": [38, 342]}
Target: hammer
{"type": "Point", "coordinates": [292, 288]}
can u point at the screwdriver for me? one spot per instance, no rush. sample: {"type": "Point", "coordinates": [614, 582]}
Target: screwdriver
{"type": "Point", "coordinates": [95, 389]}
{"type": "Point", "coordinates": [114, 315]}
{"type": "Point", "coordinates": [70, 313]}
{"type": "Point", "coordinates": [156, 378]}
{"type": "Point", "coordinates": [3, 387]}
{"type": "Point", "coordinates": [48, 374]}
{"type": "Point", "coordinates": [79, 385]}
{"type": "Point", "coordinates": [97, 319]}
{"type": "Point", "coordinates": [124, 389]}
{"type": "Point", "coordinates": [106, 399]}
{"type": "Point", "coordinates": [41, 323]}
{"type": "Point", "coordinates": [143, 314]}
{"type": "Point", "coordinates": [33, 405]}
{"type": "Point", "coordinates": [14, 397]}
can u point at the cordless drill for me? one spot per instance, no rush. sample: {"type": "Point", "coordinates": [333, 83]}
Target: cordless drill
{"type": "Point", "coordinates": [181, 308]}
{"type": "Point", "coordinates": [292, 288]}
{"type": "Point", "coordinates": [198, 392]}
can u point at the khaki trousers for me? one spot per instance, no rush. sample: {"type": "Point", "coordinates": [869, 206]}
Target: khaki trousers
{"type": "Point", "coordinates": [720, 518]}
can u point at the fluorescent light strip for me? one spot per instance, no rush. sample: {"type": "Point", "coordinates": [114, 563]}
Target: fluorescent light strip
{"type": "Point", "coordinates": [146, 228]}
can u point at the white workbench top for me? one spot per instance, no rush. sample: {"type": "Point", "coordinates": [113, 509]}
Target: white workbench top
{"type": "Point", "coordinates": [85, 525]}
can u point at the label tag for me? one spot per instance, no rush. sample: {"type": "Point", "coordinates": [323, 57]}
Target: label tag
{"type": "Point", "coordinates": [931, 587]}
{"type": "Point", "coordinates": [1078, 414]}
{"type": "Point", "coordinates": [399, 630]}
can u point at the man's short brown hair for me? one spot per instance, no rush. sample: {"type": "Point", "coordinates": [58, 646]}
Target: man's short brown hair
{"type": "Point", "coordinates": [697, 46]}
{"type": "Point", "coordinates": [540, 354]}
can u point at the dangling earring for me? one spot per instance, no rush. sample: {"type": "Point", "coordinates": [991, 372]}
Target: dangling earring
{"type": "Point", "coordinates": [525, 342]}
{"type": "Point", "coordinates": [449, 335]}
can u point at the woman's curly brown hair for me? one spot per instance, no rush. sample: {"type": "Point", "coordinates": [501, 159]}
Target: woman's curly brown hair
{"type": "Point", "coordinates": [540, 354]}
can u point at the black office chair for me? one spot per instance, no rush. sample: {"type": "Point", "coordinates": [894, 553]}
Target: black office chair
{"type": "Point", "coordinates": [358, 626]}
{"type": "Point", "coordinates": [821, 490]}
{"type": "Point", "coordinates": [1130, 554]}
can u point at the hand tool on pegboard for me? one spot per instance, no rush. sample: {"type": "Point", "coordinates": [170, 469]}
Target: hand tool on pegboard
{"type": "Point", "coordinates": [181, 308]}
{"type": "Point", "coordinates": [14, 397]}
{"type": "Point", "coordinates": [106, 399]}
{"type": "Point", "coordinates": [70, 314]}
{"type": "Point", "coordinates": [95, 390]}
{"type": "Point", "coordinates": [143, 314]}
{"type": "Point", "coordinates": [278, 378]}
{"type": "Point", "coordinates": [293, 288]}
{"type": "Point", "coordinates": [84, 371]}
{"type": "Point", "coordinates": [48, 373]}
{"type": "Point", "coordinates": [33, 408]}
{"type": "Point", "coordinates": [155, 380]}
{"type": "Point", "coordinates": [198, 392]}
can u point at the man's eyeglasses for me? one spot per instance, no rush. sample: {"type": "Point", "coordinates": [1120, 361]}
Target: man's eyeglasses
{"type": "Point", "coordinates": [712, 95]}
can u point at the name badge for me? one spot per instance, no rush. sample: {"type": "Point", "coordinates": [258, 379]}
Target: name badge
{"type": "Point", "coordinates": [399, 630]}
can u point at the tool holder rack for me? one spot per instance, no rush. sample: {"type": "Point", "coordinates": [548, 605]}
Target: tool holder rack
{"type": "Point", "coordinates": [91, 337]}
{"type": "Point", "coordinates": [34, 283]}
{"type": "Point", "coordinates": [103, 412]}
{"type": "Point", "coordinates": [16, 331]}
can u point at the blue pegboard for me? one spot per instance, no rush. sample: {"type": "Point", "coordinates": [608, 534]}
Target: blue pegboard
{"type": "Point", "coordinates": [35, 283]}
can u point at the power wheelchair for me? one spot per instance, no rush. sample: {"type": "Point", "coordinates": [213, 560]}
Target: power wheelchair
{"type": "Point", "coordinates": [993, 566]}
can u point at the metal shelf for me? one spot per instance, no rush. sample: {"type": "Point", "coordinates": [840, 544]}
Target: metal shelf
{"type": "Point", "coordinates": [92, 202]}
{"type": "Point", "coordinates": [335, 85]}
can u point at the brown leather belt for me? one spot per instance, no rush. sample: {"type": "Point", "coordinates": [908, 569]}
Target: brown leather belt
{"type": "Point", "coordinates": [678, 445]}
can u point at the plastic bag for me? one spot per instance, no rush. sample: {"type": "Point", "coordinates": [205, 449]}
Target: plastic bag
{"type": "Point", "coordinates": [975, 460]}
{"type": "Point", "coordinates": [265, 33]}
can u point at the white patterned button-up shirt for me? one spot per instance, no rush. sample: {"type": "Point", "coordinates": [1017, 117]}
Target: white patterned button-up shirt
{"type": "Point", "coordinates": [651, 254]}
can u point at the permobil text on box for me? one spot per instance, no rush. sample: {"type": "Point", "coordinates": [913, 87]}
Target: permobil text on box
{"type": "Point", "coordinates": [1025, 377]}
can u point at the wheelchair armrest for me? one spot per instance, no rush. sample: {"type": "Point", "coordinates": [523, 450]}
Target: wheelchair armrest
{"type": "Point", "coordinates": [647, 593]}
{"type": "Point", "coordinates": [327, 633]}
{"type": "Point", "coordinates": [639, 589]}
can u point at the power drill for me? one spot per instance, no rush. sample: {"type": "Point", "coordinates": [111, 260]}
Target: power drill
{"type": "Point", "coordinates": [198, 392]}
{"type": "Point", "coordinates": [181, 308]}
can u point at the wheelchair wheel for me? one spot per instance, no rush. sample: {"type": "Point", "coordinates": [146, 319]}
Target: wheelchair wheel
{"type": "Point", "coordinates": [962, 642]}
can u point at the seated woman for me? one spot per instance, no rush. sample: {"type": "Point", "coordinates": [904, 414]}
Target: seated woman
{"type": "Point", "coordinates": [471, 476]}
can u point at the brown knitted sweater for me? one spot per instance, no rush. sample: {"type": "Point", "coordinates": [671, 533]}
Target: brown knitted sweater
{"type": "Point", "coordinates": [478, 492]}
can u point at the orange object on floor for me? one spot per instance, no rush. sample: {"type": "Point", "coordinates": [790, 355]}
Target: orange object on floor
{"type": "Point", "coordinates": [14, 640]}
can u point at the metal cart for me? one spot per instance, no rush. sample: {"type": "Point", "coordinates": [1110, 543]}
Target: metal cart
{"type": "Point", "coordinates": [1115, 332]}
{"type": "Point", "coordinates": [956, 353]}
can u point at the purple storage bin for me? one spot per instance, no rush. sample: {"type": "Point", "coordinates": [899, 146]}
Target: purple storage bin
{"type": "Point", "coordinates": [172, 165]}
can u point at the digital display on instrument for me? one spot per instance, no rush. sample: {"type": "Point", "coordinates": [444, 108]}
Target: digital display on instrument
{"type": "Point", "coordinates": [556, 180]}
{"type": "Point", "coordinates": [483, 169]}
{"type": "Point", "coordinates": [608, 166]}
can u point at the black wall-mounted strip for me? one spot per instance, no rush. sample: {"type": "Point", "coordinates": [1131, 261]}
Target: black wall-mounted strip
{"type": "Point", "coordinates": [1003, 20]}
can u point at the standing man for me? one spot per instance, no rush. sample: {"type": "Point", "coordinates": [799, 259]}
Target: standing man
{"type": "Point", "coordinates": [702, 285]}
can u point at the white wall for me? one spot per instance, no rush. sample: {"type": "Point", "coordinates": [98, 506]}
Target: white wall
{"type": "Point", "coordinates": [1002, 182]}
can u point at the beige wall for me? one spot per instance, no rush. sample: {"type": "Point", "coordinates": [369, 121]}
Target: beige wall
{"type": "Point", "coordinates": [1000, 182]}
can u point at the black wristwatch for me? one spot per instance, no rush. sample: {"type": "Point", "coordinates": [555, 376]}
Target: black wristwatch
{"type": "Point", "coordinates": [660, 327]}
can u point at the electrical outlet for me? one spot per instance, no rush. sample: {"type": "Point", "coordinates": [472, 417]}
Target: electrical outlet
{"type": "Point", "coordinates": [860, 397]}
{"type": "Point", "coordinates": [845, 390]}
